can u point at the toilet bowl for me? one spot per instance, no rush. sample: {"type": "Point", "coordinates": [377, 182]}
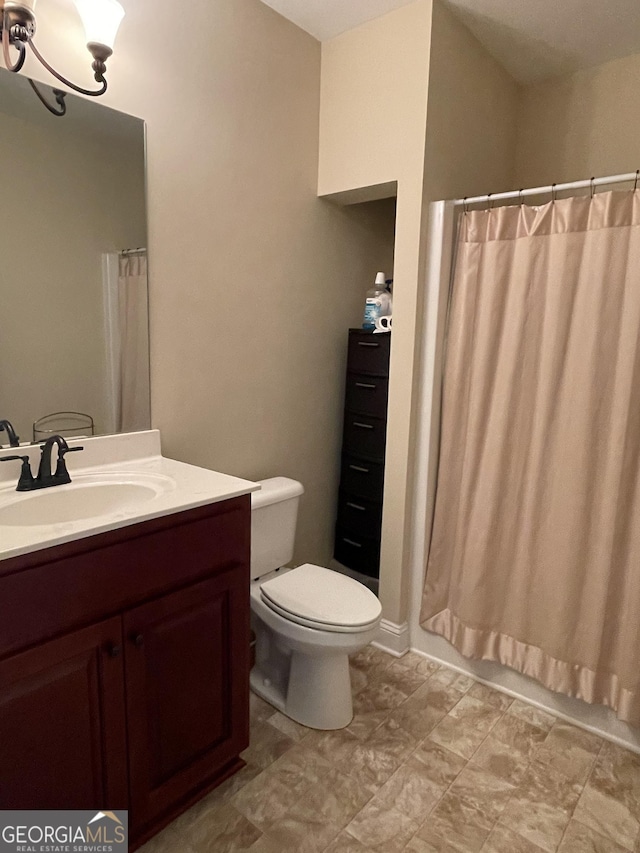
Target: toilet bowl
{"type": "Point", "coordinates": [307, 620]}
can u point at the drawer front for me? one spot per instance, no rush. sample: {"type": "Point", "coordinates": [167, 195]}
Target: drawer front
{"type": "Point", "coordinates": [369, 353]}
{"type": "Point", "coordinates": [362, 478]}
{"type": "Point", "coordinates": [146, 560]}
{"type": "Point", "coordinates": [367, 394]}
{"type": "Point", "coordinates": [364, 435]}
{"type": "Point", "coordinates": [361, 515]}
{"type": "Point", "coordinates": [357, 552]}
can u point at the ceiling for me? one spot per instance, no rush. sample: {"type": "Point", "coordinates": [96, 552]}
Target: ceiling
{"type": "Point", "coordinates": [532, 39]}
{"type": "Point", "coordinates": [325, 19]}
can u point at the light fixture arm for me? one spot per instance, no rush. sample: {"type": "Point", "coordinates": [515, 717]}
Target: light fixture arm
{"type": "Point", "coordinates": [22, 53]}
{"type": "Point", "coordinates": [58, 94]}
{"type": "Point", "coordinates": [100, 55]}
{"type": "Point", "coordinates": [18, 28]}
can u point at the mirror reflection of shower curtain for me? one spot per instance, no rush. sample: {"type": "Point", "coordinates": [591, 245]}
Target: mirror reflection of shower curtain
{"type": "Point", "coordinates": [535, 551]}
{"type": "Point", "coordinates": [133, 394]}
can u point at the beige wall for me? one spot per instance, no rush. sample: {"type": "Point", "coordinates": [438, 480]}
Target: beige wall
{"type": "Point", "coordinates": [585, 124]}
{"type": "Point", "coordinates": [67, 198]}
{"type": "Point", "coordinates": [253, 279]}
{"type": "Point", "coordinates": [472, 116]}
{"type": "Point", "coordinates": [373, 103]}
{"type": "Point", "coordinates": [372, 133]}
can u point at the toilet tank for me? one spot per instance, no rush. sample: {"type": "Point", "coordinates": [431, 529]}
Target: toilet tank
{"type": "Point", "coordinates": [274, 512]}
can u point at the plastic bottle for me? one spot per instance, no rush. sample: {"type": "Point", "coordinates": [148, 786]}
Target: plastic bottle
{"type": "Point", "coordinates": [378, 303]}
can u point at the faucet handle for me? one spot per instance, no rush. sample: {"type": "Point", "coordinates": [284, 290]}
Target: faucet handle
{"type": "Point", "coordinates": [64, 450]}
{"type": "Point", "coordinates": [62, 475]}
{"type": "Point", "coordinates": [25, 483]}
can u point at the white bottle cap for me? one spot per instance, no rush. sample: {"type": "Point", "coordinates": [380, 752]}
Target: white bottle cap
{"type": "Point", "coordinates": [380, 279]}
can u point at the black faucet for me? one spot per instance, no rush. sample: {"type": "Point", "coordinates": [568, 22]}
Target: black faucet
{"type": "Point", "coordinates": [61, 476]}
{"type": "Point", "coordinates": [7, 426]}
{"type": "Point", "coordinates": [45, 479]}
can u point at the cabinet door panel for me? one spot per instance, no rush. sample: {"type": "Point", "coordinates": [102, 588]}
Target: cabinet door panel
{"type": "Point", "coordinates": [186, 671]}
{"type": "Point", "coordinates": [62, 723]}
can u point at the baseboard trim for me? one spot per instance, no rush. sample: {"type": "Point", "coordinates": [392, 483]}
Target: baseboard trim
{"type": "Point", "coordinates": [393, 638]}
{"type": "Point", "coordinates": [593, 718]}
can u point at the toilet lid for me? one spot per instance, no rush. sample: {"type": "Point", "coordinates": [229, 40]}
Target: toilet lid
{"type": "Point", "coordinates": [322, 598]}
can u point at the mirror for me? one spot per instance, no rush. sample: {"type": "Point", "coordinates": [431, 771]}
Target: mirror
{"type": "Point", "coordinates": [73, 280]}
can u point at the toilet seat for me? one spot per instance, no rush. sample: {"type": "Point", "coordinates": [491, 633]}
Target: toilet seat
{"type": "Point", "coordinates": [322, 599]}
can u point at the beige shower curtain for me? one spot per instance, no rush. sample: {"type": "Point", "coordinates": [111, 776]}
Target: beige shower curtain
{"type": "Point", "coordinates": [133, 405]}
{"type": "Point", "coordinates": [535, 551]}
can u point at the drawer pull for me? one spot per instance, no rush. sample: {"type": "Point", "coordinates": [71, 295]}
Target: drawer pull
{"type": "Point", "coordinates": [362, 426]}
{"type": "Point", "coordinates": [113, 650]}
{"type": "Point", "coordinates": [367, 344]}
{"type": "Point", "coordinates": [366, 385]}
{"type": "Point", "coordinates": [359, 468]}
{"type": "Point", "coordinates": [356, 506]}
{"type": "Point", "coordinates": [351, 542]}
{"type": "Point", "coordinates": [137, 640]}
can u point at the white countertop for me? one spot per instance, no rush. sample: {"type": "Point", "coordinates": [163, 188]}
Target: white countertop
{"type": "Point", "coordinates": [177, 486]}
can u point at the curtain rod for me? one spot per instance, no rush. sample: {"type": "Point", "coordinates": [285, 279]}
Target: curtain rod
{"type": "Point", "coordinates": [553, 188]}
{"type": "Point", "coordinates": [139, 251]}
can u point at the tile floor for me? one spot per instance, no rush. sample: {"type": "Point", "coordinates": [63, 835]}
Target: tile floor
{"type": "Point", "coordinates": [433, 762]}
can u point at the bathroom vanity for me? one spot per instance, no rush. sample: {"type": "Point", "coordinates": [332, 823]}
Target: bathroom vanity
{"type": "Point", "coordinates": [124, 647]}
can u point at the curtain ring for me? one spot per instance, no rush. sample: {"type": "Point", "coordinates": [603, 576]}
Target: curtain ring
{"type": "Point", "coordinates": [521, 197]}
{"type": "Point", "coordinates": [490, 202]}
{"type": "Point", "coordinates": [465, 205]}
{"type": "Point", "coordinates": [554, 193]}
{"type": "Point", "coordinates": [593, 186]}
{"type": "Point", "coordinates": [635, 186]}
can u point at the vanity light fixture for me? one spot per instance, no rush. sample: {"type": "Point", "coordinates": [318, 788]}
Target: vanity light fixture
{"type": "Point", "coordinates": [101, 19]}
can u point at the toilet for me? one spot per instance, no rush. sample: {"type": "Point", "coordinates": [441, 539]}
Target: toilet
{"type": "Point", "coordinates": [307, 620]}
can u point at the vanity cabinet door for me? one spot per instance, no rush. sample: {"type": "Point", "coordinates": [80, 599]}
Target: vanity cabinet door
{"type": "Point", "coordinates": [62, 723]}
{"type": "Point", "coordinates": [186, 670]}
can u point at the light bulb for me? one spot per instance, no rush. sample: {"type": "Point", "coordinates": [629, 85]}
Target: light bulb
{"type": "Point", "coordinates": [101, 19]}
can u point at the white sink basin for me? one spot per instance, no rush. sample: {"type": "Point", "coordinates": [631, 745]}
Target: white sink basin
{"type": "Point", "coordinates": [117, 481]}
{"type": "Point", "coordinates": [88, 496]}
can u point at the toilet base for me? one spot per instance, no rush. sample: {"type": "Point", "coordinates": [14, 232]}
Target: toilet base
{"type": "Point", "coordinates": [318, 694]}
{"type": "Point", "coordinates": [263, 687]}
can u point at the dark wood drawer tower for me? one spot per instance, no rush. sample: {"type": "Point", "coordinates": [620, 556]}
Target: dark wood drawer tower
{"type": "Point", "coordinates": [358, 527]}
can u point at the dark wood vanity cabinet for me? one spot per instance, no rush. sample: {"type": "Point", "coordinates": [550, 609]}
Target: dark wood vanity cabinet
{"type": "Point", "coordinates": [359, 521]}
{"type": "Point", "coordinates": [62, 723]}
{"type": "Point", "coordinates": [124, 667]}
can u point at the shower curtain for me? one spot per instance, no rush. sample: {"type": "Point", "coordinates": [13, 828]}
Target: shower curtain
{"type": "Point", "coordinates": [133, 403]}
{"type": "Point", "coordinates": [535, 551]}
